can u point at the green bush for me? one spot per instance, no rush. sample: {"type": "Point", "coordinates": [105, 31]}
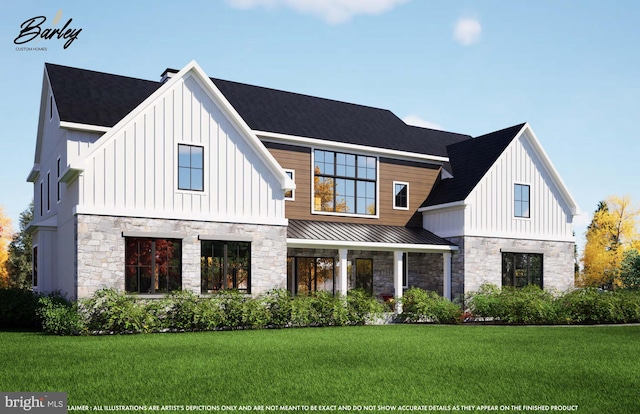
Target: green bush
{"type": "Point", "coordinates": [592, 305]}
{"type": "Point", "coordinates": [419, 305]}
{"type": "Point", "coordinates": [279, 303]}
{"type": "Point", "coordinates": [328, 310]}
{"type": "Point", "coordinates": [18, 309]}
{"type": "Point", "coordinates": [60, 317]}
{"type": "Point", "coordinates": [362, 307]}
{"type": "Point", "coordinates": [112, 311]}
{"type": "Point", "coordinates": [182, 310]}
{"type": "Point", "coordinates": [528, 305]}
{"type": "Point", "coordinates": [302, 311]}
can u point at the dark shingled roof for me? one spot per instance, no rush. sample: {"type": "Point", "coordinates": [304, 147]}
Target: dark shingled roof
{"type": "Point", "coordinates": [362, 233]}
{"type": "Point", "coordinates": [95, 98]}
{"type": "Point", "coordinates": [470, 160]}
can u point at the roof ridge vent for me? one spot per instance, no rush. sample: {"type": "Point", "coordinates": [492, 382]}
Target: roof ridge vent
{"type": "Point", "coordinates": [168, 74]}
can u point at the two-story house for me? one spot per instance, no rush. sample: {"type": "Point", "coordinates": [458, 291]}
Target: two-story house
{"type": "Point", "coordinates": [203, 184]}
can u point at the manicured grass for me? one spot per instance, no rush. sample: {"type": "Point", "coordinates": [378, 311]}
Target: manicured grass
{"type": "Point", "coordinates": [595, 368]}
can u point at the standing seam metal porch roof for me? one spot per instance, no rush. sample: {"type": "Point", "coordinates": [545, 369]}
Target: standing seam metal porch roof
{"type": "Point", "coordinates": [362, 233]}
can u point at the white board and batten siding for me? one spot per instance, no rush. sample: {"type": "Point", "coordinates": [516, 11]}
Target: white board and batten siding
{"type": "Point", "coordinates": [488, 211]}
{"type": "Point", "coordinates": [134, 170]}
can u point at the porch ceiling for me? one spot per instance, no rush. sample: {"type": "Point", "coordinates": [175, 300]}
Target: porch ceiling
{"type": "Point", "coordinates": [324, 234]}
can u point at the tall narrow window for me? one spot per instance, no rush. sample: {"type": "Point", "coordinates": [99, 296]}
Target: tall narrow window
{"type": "Point", "coordinates": [364, 275]}
{"type": "Point", "coordinates": [521, 201]}
{"type": "Point", "coordinates": [190, 167]}
{"type": "Point", "coordinates": [152, 265]}
{"type": "Point", "coordinates": [344, 183]}
{"type": "Point", "coordinates": [41, 198]}
{"type": "Point", "coordinates": [225, 265]}
{"type": "Point", "coordinates": [48, 191]}
{"type": "Point", "coordinates": [50, 107]}
{"type": "Point", "coordinates": [405, 270]}
{"type": "Point", "coordinates": [400, 195]}
{"type": "Point", "coordinates": [290, 195]}
{"type": "Point", "coordinates": [58, 179]}
{"type": "Point", "coordinates": [35, 266]}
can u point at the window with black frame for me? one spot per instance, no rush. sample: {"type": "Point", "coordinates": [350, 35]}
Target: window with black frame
{"type": "Point", "coordinates": [153, 265]}
{"type": "Point", "coordinates": [344, 183]}
{"type": "Point", "coordinates": [225, 265]}
{"type": "Point", "coordinates": [307, 275]}
{"type": "Point", "coordinates": [522, 269]}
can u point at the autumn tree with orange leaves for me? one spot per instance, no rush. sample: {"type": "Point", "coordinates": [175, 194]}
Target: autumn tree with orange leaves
{"type": "Point", "coordinates": [612, 232]}
{"type": "Point", "coordinates": [6, 235]}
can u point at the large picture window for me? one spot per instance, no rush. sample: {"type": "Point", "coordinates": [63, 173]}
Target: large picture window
{"type": "Point", "coordinates": [344, 183]}
{"type": "Point", "coordinates": [190, 167]}
{"type": "Point", "coordinates": [225, 265]}
{"type": "Point", "coordinates": [521, 269]}
{"type": "Point", "coordinates": [152, 265]}
{"type": "Point", "coordinates": [311, 274]}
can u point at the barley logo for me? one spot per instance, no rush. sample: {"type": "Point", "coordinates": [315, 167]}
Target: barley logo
{"type": "Point", "coordinates": [32, 29]}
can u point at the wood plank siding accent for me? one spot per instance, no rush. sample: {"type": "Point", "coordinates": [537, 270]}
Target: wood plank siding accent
{"type": "Point", "coordinates": [420, 176]}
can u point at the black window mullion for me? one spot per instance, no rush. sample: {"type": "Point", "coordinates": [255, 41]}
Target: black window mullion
{"type": "Point", "coordinates": [153, 266]}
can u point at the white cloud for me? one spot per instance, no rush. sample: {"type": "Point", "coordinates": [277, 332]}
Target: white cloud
{"type": "Point", "coordinates": [332, 11]}
{"type": "Point", "coordinates": [415, 120]}
{"type": "Point", "coordinates": [467, 31]}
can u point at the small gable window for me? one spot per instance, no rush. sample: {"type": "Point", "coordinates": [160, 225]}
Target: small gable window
{"type": "Point", "coordinates": [521, 201]}
{"type": "Point", "coordinates": [190, 167]}
{"type": "Point", "coordinates": [400, 195]}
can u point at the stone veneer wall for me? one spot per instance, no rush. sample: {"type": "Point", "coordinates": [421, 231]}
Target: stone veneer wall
{"type": "Point", "coordinates": [479, 260]}
{"type": "Point", "coordinates": [100, 250]}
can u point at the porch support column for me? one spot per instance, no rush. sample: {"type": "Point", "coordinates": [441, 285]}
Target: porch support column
{"type": "Point", "coordinates": [446, 266]}
{"type": "Point", "coordinates": [343, 270]}
{"type": "Point", "coordinates": [397, 279]}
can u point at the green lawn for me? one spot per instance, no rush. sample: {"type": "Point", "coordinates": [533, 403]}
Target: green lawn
{"type": "Point", "coordinates": [595, 368]}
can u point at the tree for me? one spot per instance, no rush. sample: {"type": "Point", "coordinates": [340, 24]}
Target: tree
{"type": "Point", "coordinates": [612, 231]}
{"type": "Point", "coordinates": [630, 269]}
{"type": "Point", "coordinates": [6, 234]}
{"type": "Point", "coordinates": [20, 253]}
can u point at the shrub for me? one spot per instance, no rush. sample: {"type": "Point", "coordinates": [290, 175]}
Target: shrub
{"type": "Point", "coordinates": [592, 305]}
{"type": "Point", "coordinates": [362, 307]}
{"type": "Point", "coordinates": [182, 310]}
{"type": "Point", "coordinates": [232, 306]}
{"type": "Point", "coordinates": [60, 317]}
{"type": "Point", "coordinates": [118, 312]}
{"type": "Point", "coordinates": [303, 312]}
{"type": "Point", "coordinates": [419, 305]}
{"type": "Point", "coordinates": [528, 305]}
{"type": "Point", "coordinates": [328, 310]}
{"type": "Point", "coordinates": [18, 309]}
{"type": "Point", "coordinates": [279, 303]}
{"type": "Point", "coordinates": [209, 314]}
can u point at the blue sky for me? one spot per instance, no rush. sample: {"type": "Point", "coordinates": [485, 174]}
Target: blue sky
{"type": "Point", "coordinates": [570, 68]}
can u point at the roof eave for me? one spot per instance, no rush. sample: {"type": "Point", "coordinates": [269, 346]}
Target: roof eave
{"type": "Point", "coordinates": [451, 205]}
{"type": "Point", "coordinates": [325, 143]}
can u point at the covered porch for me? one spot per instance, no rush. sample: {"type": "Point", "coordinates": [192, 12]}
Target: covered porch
{"type": "Point", "coordinates": [382, 260]}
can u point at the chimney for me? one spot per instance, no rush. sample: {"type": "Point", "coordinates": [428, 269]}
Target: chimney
{"type": "Point", "coordinates": [167, 74]}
